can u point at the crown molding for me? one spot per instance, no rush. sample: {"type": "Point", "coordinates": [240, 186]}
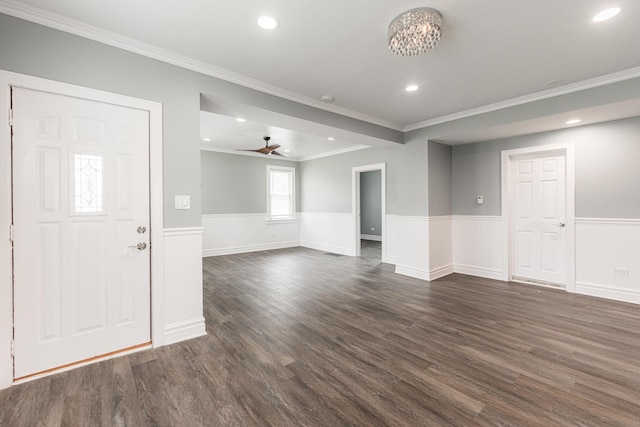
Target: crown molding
{"type": "Point", "coordinates": [334, 152]}
{"type": "Point", "coordinates": [538, 96]}
{"type": "Point", "coordinates": [59, 22]}
{"type": "Point", "coordinates": [72, 26]}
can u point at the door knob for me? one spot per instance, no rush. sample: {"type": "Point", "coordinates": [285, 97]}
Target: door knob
{"type": "Point", "coordinates": [141, 229]}
{"type": "Point", "coordinates": [140, 246]}
{"type": "Point", "coordinates": [561, 224]}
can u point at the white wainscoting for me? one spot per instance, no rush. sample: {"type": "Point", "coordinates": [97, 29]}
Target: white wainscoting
{"type": "Point", "coordinates": [412, 245]}
{"type": "Point", "coordinates": [477, 246]}
{"type": "Point", "coordinates": [328, 231]}
{"type": "Point", "coordinates": [238, 233]}
{"type": "Point", "coordinates": [183, 312]}
{"type": "Point", "coordinates": [603, 245]}
{"type": "Point", "coordinates": [440, 246]}
{"type": "Point", "coordinates": [391, 245]}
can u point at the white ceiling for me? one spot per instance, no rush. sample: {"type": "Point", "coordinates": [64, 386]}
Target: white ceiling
{"type": "Point", "coordinates": [228, 135]}
{"type": "Point", "coordinates": [492, 51]}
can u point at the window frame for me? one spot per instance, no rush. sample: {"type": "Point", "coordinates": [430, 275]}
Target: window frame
{"type": "Point", "coordinates": [292, 196]}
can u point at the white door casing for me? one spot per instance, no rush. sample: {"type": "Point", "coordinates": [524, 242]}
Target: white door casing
{"type": "Point", "coordinates": [355, 204]}
{"type": "Point", "coordinates": [9, 80]}
{"type": "Point", "coordinates": [81, 221]}
{"type": "Point", "coordinates": [538, 206]}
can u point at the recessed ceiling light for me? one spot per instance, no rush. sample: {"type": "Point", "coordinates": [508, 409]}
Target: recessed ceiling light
{"type": "Point", "coordinates": [606, 14]}
{"type": "Point", "coordinates": [412, 88]}
{"type": "Point", "coordinates": [331, 138]}
{"type": "Point", "coordinates": [206, 139]}
{"type": "Point", "coordinates": [241, 120]}
{"type": "Point", "coordinates": [327, 98]}
{"type": "Point", "coordinates": [268, 23]}
{"type": "Point", "coordinates": [287, 151]}
{"type": "Point", "coordinates": [573, 121]}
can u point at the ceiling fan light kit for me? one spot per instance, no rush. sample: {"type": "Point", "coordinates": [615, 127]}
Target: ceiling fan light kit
{"type": "Point", "coordinates": [415, 32]}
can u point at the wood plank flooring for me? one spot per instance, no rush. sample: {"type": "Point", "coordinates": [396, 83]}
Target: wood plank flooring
{"type": "Point", "coordinates": [298, 337]}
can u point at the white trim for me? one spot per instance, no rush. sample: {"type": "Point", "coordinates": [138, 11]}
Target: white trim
{"type": "Point", "coordinates": [292, 196]}
{"type": "Point", "coordinates": [415, 218]}
{"type": "Point", "coordinates": [334, 152]}
{"type": "Point", "coordinates": [440, 218]}
{"type": "Point", "coordinates": [371, 237]}
{"type": "Point", "coordinates": [471, 270]}
{"type": "Point", "coordinates": [442, 271]}
{"type": "Point", "coordinates": [568, 149]}
{"type": "Point", "coordinates": [355, 204]}
{"type": "Point", "coordinates": [326, 248]}
{"type": "Point", "coordinates": [609, 292]}
{"type": "Point", "coordinates": [185, 231]}
{"type": "Point", "coordinates": [249, 248]}
{"type": "Point", "coordinates": [610, 221]}
{"type": "Point", "coordinates": [9, 79]}
{"type": "Point", "coordinates": [478, 217]}
{"type": "Point", "coordinates": [185, 330]}
{"type": "Point", "coordinates": [628, 74]}
{"type": "Point", "coordinates": [416, 273]}
{"type": "Point", "coordinates": [72, 26]}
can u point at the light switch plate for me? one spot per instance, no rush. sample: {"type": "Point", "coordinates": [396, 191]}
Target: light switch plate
{"type": "Point", "coordinates": [182, 202]}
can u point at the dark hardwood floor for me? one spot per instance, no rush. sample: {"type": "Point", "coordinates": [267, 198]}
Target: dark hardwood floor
{"type": "Point", "coordinates": [299, 337]}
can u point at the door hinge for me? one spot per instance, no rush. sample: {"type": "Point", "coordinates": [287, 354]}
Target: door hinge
{"type": "Point", "coordinates": [11, 232]}
{"type": "Point", "coordinates": [13, 348]}
{"type": "Point", "coordinates": [11, 117]}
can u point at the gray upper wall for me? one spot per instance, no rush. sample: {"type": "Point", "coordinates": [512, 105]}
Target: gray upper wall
{"type": "Point", "coordinates": [607, 172]}
{"type": "Point", "coordinates": [36, 50]}
{"type": "Point", "coordinates": [440, 179]}
{"type": "Point", "coordinates": [236, 184]}
{"type": "Point", "coordinates": [326, 182]}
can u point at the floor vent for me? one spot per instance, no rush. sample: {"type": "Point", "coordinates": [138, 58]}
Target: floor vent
{"type": "Point", "coordinates": [332, 254]}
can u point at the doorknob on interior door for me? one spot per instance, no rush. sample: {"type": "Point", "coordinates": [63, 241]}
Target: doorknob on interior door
{"type": "Point", "coordinates": [561, 224]}
{"type": "Point", "coordinates": [140, 246]}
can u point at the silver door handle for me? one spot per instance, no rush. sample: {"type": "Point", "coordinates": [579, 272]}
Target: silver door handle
{"type": "Point", "coordinates": [561, 224]}
{"type": "Point", "coordinates": [140, 246]}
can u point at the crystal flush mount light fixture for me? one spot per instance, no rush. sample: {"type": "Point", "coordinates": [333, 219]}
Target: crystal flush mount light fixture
{"type": "Point", "coordinates": [415, 32]}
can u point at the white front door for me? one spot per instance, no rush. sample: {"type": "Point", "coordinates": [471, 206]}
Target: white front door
{"type": "Point", "coordinates": [81, 229]}
{"type": "Point", "coordinates": [539, 216]}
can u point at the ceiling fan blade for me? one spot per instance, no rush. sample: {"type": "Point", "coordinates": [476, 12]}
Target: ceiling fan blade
{"type": "Point", "coordinates": [260, 150]}
{"type": "Point", "coordinates": [278, 154]}
{"type": "Point", "coordinates": [273, 147]}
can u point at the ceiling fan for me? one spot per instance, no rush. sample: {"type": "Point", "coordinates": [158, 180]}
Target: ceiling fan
{"type": "Point", "coordinates": [268, 149]}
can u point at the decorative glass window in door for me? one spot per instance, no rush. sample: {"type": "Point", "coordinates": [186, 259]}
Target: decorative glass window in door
{"type": "Point", "coordinates": [88, 183]}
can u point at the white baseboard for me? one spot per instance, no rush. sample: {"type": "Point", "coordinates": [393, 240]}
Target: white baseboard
{"type": "Point", "coordinates": [327, 248]}
{"type": "Point", "coordinates": [371, 237]}
{"type": "Point", "coordinates": [609, 292]}
{"type": "Point", "coordinates": [249, 248]}
{"type": "Point", "coordinates": [439, 272]}
{"type": "Point", "coordinates": [487, 273]}
{"type": "Point", "coordinates": [392, 259]}
{"type": "Point", "coordinates": [412, 272]}
{"type": "Point", "coordinates": [181, 331]}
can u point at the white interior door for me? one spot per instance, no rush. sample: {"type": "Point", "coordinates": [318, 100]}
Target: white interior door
{"type": "Point", "coordinates": [539, 216]}
{"type": "Point", "coordinates": [81, 229]}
